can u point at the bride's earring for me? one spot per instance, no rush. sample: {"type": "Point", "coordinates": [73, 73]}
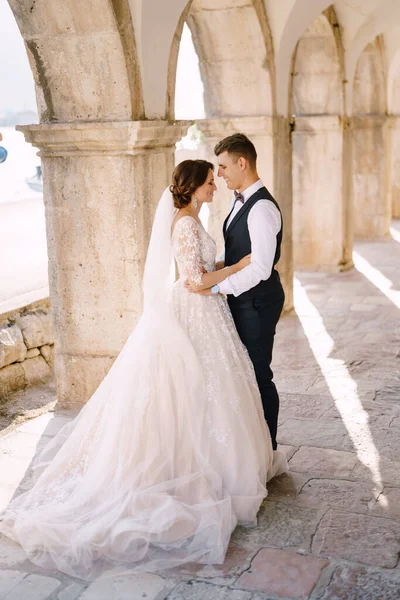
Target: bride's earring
{"type": "Point", "coordinates": [195, 202]}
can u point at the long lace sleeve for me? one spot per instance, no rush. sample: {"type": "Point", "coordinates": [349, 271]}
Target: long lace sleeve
{"type": "Point", "coordinates": [188, 250]}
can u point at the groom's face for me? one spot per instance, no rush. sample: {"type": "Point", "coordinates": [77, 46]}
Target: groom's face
{"type": "Point", "coordinates": [230, 168]}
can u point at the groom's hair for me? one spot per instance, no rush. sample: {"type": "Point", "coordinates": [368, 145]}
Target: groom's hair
{"type": "Point", "coordinates": [238, 145]}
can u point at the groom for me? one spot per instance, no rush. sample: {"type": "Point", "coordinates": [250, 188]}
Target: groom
{"type": "Point", "coordinates": [255, 294]}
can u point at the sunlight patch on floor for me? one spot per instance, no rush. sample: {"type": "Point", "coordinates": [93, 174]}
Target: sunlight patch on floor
{"type": "Point", "coordinates": [341, 385]}
{"type": "Point", "coordinates": [377, 278]}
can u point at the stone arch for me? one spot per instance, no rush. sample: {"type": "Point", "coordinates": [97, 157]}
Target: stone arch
{"type": "Point", "coordinates": [320, 232]}
{"type": "Point", "coordinates": [104, 170]}
{"type": "Point", "coordinates": [83, 59]}
{"type": "Point", "coordinates": [298, 17]}
{"type": "Point", "coordinates": [371, 144]}
{"type": "Point", "coordinates": [234, 44]}
{"type": "Point", "coordinates": [317, 73]}
{"type": "Point", "coordinates": [370, 84]}
{"type": "Point", "coordinates": [173, 62]}
{"type": "Point", "coordinates": [235, 52]}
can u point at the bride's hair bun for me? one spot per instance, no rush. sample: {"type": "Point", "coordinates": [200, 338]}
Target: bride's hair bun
{"type": "Point", "coordinates": [186, 178]}
{"type": "Point", "coordinates": [181, 198]}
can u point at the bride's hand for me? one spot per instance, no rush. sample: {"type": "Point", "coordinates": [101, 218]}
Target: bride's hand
{"type": "Point", "coordinates": [206, 292]}
{"type": "Point", "coordinates": [243, 262]}
{"type": "Point", "coordinates": [189, 288]}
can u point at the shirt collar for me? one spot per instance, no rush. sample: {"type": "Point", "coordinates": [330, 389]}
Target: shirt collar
{"type": "Point", "coordinates": [251, 190]}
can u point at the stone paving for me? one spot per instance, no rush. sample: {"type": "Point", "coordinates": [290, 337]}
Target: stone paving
{"type": "Point", "coordinates": [330, 527]}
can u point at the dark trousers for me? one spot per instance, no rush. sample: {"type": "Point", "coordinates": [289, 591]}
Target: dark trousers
{"type": "Point", "coordinates": [256, 320]}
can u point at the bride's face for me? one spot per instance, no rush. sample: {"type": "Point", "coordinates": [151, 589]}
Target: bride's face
{"type": "Point", "coordinates": [205, 192]}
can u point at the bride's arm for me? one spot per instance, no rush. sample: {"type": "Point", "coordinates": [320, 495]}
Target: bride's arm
{"type": "Point", "coordinates": [219, 265]}
{"type": "Point", "coordinates": [203, 281]}
{"type": "Point", "coordinates": [189, 254]}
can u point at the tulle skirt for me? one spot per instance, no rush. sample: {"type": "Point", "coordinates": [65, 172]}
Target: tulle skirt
{"type": "Point", "coordinates": [169, 454]}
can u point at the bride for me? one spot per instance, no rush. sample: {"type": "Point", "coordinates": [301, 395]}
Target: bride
{"type": "Point", "coordinates": [172, 450]}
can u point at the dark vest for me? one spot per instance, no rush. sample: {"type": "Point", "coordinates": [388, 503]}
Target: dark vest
{"type": "Point", "coordinates": [238, 245]}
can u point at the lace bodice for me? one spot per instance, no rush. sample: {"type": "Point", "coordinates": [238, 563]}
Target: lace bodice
{"type": "Point", "coordinates": [193, 249]}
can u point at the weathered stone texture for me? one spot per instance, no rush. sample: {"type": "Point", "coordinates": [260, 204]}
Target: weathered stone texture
{"type": "Point", "coordinates": [12, 346]}
{"type": "Point", "coordinates": [32, 353]}
{"type": "Point", "coordinates": [48, 354]}
{"type": "Point", "coordinates": [36, 371]}
{"type": "Point", "coordinates": [323, 461]}
{"type": "Point", "coordinates": [282, 573]}
{"type": "Point", "coordinates": [115, 172]}
{"type": "Point", "coordinates": [37, 328]}
{"type": "Point", "coordinates": [196, 590]}
{"type": "Point", "coordinates": [12, 378]}
{"type": "Point", "coordinates": [370, 540]}
{"type": "Point", "coordinates": [358, 583]}
{"type": "Point", "coordinates": [280, 524]}
{"type": "Point", "coordinates": [32, 586]}
{"type": "Point", "coordinates": [338, 494]}
{"type": "Point", "coordinates": [145, 585]}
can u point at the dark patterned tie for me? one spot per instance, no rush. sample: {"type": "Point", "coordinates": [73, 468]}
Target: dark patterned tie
{"type": "Point", "coordinates": [238, 197]}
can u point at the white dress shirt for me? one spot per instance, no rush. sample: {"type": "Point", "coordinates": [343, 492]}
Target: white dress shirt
{"type": "Point", "coordinates": [264, 223]}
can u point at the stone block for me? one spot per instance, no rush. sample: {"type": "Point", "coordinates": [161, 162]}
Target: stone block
{"type": "Point", "coordinates": [362, 538]}
{"type": "Point", "coordinates": [357, 583]}
{"type": "Point", "coordinates": [389, 471]}
{"type": "Point", "coordinates": [9, 580]}
{"type": "Point", "coordinates": [32, 352]}
{"type": "Point", "coordinates": [12, 378]}
{"type": "Point", "coordinates": [48, 354]}
{"type": "Point", "coordinates": [33, 587]}
{"type": "Point", "coordinates": [279, 524]}
{"type": "Point", "coordinates": [323, 462]}
{"type": "Point", "coordinates": [37, 328]}
{"type": "Point", "coordinates": [197, 590]}
{"type": "Point", "coordinates": [125, 587]}
{"type": "Point", "coordinates": [12, 346]}
{"type": "Point", "coordinates": [388, 504]}
{"type": "Point", "coordinates": [304, 406]}
{"type": "Point", "coordinates": [325, 434]}
{"type": "Point", "coordinates": [71, 592]}
{"type": "Point", "coordinates": [338, 494]}
{"type": "Point", "coordinates": [283, 574]}
{"type": "Point", "coordinates": [389, 393]}
{"type": "Point", "coordinates": [36, 371]}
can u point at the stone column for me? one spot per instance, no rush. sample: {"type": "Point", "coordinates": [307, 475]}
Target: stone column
{"type": "Point", "coordinates": [371, 141]}
{"type": "Point", "coordinates": [320, 234]}
{"type": "Point", "coordinates": [395, 127]}
{"type": "Point", "coordinates": [102, 182]}
{"type": "Point", "coordinates": [271, 137]}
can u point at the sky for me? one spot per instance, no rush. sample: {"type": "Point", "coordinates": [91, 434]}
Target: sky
{"type": "Point", "coordinates": [16, 81]}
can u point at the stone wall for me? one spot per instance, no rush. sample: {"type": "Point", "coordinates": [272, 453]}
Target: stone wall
{"type": "Point", "coordinates": [26, 348]}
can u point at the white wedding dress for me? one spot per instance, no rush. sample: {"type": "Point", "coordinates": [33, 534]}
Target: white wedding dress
{"type": "Point", "coordinates": [171, 451]}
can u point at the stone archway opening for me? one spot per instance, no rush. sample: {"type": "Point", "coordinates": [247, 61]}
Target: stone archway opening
{"type": "Point", "coordinates": [371, 144]}
{"type": "Point", "coordinates": [320, 232]}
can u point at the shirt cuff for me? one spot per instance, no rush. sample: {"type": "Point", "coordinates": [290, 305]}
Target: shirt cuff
{"type": "Point", "coordinates": [225, 287]}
